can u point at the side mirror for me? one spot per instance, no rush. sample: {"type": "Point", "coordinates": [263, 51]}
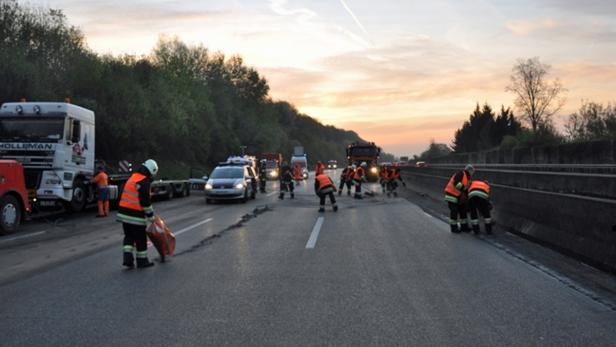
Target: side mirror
{"type": "Point", "coordinates": [205, 178]}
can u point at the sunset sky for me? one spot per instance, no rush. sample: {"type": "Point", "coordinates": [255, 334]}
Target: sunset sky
{"type": "Point", "coordinates": [397, 72]}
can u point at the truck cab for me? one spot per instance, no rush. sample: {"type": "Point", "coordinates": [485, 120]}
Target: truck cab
{"type": "Point", "coordinates": [54, 141]}
{"type": "Point", "coordinates": [368, 152]}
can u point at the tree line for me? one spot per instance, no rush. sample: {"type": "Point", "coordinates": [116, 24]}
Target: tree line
{"type": "Point", "coordinates": [537, 99]}
{"type": "Point", "coordinates": [182, 105]}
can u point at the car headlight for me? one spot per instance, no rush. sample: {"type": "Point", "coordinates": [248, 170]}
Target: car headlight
{"type": "Point", "coordinates": [208, 186]}
{"type": "Point", "coordinates": [274, 174]}
{"type": "Point", "coordinates": [374, 170]}
{"type": "Point", "coordinates": [239, 186]}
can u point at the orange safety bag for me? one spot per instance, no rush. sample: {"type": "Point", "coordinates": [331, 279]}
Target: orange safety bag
{"type": "Point", "coordinates": [161, 236]}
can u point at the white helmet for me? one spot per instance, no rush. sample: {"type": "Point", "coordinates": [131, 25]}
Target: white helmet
{"type": "Point", "coordinates": [363, 164]}
{"type": "Point", "coordinates": [151, 165]}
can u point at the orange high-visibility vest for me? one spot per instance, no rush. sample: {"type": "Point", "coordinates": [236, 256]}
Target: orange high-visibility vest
{"type": "Point", "coordinates": [395, 174]}
{"type": "Point", "coordinates": [350, 173]}
{"type": "Point", "coordinates": [359, 173]}
{"type": "Point", "coordinates": [452, 190]}
{"type": "Point", "coordinates": [480, 189]}
{"type": "Point", "coordinates": [130, 194]}
{"type": "Point", "coordinates": [324, 181]}
{"type": "Point", "coordinates": [384, 173]}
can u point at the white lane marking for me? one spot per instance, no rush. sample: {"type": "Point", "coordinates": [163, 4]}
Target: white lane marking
{"type": "Point", "coordinates": [270, 194]}
{"type": "Point", "coordinates": [312, 241]}
{"type": "Point", "coordinates": [23, 236]}
{"type": "Point", "coordinates": [190, 227]}
{"type": "Point", "coordinates": [427, 214]}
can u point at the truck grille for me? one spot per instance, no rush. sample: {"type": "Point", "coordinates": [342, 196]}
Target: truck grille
{"type": "Point", "coordinates": [30, 159]}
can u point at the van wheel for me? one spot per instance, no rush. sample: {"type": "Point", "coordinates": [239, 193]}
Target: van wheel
{"type": "Point", "coordinates": [80, 196]}
{"type": "Point", "coordinates": [10, 214]}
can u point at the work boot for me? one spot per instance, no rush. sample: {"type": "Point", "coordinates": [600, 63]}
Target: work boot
{"type": "Point", "coordinates": [281, 196]}
{"type": "Point", "coordinates": [465, 228]}
{"type": "Point", "coordinates": [455, 229]}
{"type": "Point", "coordinates": [395, 194]}
{"type": "Point", "coordinates": [292, 196]}
{"type": "Point", "coordinates": [321, 209]}
{"type": "Point", "coordinates": [143, 263]}
{"type": "Point", "coordinates": [349, 193]}
{"type": "Point", "coordinates": [340, 193]}
{"type": "Point", "coordinates": [129, 261]}
{"type": "Point", "coordinates": [489, 228]}
{"type": "Point", "coordinates": [335, 208]}
{"type": "Point", "coordinates": [476, 229]}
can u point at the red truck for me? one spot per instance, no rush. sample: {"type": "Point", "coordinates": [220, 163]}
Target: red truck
{"type": "Point", "coordinates": [13, 196]}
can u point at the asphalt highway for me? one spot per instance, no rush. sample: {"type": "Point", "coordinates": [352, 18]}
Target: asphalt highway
{"type": "Point", "coordinates": [380, 271]}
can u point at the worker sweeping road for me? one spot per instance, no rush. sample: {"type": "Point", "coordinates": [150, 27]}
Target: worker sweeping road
{"type": "Point", "coordinates": [359, 178]}
{"type": "Point", "coordinates": [286, 182]}
{"type": "Point", "coordinates": [392, 181]}
{"type": "Point", "coordinates": [324, 187]}
{"type": "Point", "coordinates": [346, 179]}
{"type": "Point", "coordinates": [102, 184]}
{"type": "Point", "coordinates": [136, 214]}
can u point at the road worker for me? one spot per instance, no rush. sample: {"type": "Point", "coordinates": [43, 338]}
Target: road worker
{"type": "Point", "coordinates": [297, 174]}
{"type": "Point", "coordinates": [262, 175]}
{"type": "Point", "coordinates": [346, 178]}
{"type": "Point", "coordinates": [392, 182]}
{"type": "Point", "coordinates": [384, 177]}
{"type": "Point", "coordinates": [324, 187]}
{"type": "Point", "coordinates": [358, 178]}
{"type": "Point", "coordinates": [102, 184]}
{"type": "Point", "coordinates": [319, 169]}
{"type": "Point", "coordinates": [136, 214]}
{"type": "Point", "coordinates": [286, 182]}
{"type": "Point", "coordinates": [479, 201]}
{"type": "Point", "coordinates": [456, 196]}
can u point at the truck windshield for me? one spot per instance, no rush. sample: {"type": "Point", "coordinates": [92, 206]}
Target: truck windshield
{"type": "Point", "coordinates": [299, 163]}
{"type": "Point", "coordinates": [31, 129]}
{"type": "Point", "coordinates": [364, 152]}
{"type": "Point", "coordinates": [228, 172]}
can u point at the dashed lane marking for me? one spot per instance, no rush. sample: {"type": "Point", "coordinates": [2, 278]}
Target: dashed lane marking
{"type": "Point", "coordinates": [314, 235]}
{"type": "Point", "coordinates": [190, 227]}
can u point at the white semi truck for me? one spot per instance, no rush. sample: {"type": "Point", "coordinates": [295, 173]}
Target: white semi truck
{"type": "Point", "coordinates": [55, 143]}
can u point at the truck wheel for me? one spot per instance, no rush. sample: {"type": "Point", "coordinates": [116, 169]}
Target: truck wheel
{"type": "Point", "coordinates": [80, 195]}
{"type": "Point", "coordinates": [10, 214]}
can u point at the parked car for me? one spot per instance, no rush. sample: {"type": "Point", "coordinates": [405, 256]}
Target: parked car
{"type": "Point", "coordinates": [332, 164]}
{"type": "Point", "coordinates": [231, 182]}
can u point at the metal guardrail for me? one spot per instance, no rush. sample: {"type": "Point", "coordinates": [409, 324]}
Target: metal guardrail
{"type": "Point", "coordinates": [530, 168]}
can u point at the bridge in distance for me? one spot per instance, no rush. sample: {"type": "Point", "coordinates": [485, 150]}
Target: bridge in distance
{"type": "Point", "coordinates": [380, 271]}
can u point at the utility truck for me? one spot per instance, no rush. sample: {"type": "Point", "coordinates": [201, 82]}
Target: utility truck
{"type": "Point", "coordinates": [55, 143]}
{"type": "Point", "coordinates": [368, 152]}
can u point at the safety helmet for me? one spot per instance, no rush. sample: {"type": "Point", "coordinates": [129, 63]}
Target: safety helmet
{"type": "Point", "coordinates": [469, 168]}
{"type": "Point", "coordinates": [151, 165]}
{"type": "Point", "coordinates": [364, 164]}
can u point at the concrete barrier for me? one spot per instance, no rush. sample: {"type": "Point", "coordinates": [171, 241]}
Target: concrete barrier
{"type": "Point", "coordinates": [573, 224]}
